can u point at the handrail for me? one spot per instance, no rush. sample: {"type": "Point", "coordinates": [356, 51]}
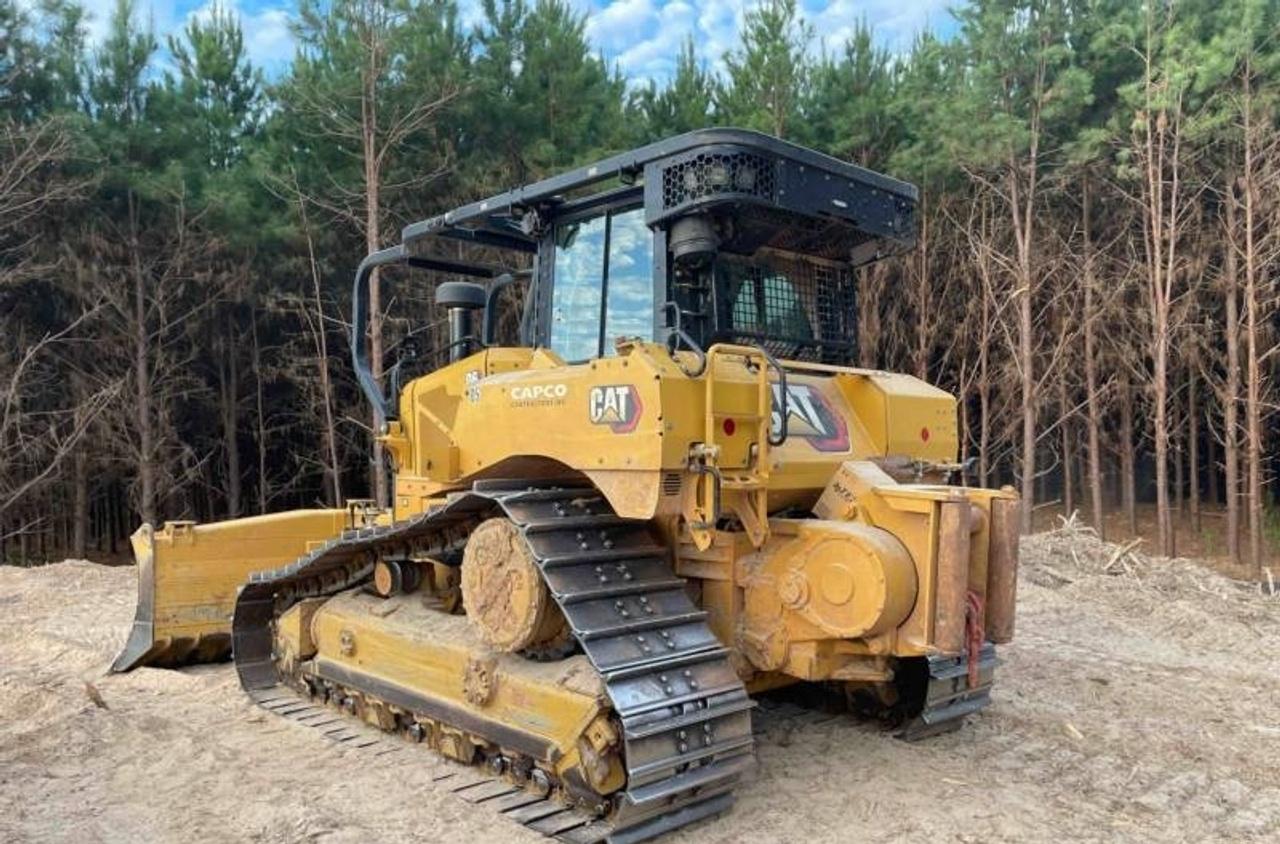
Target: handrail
{"type": "Point", "coordinates": [762, 361]}
{"type": "Point", "coordinates": [491, 300]}
{"type": "Point", "coordinates": [360, 328]}
{"type": "Point", "coordinates": [676, 336]}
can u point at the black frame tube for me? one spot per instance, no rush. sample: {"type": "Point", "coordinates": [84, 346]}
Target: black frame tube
{"type": "Point", "coordinates": [360, 329]}
{"type": "Point", "coordinates": [632, 163]}
{"type": "Point", "coordinates": [500, 283]}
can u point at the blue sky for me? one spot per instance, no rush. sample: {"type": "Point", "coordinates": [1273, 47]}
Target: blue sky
{"type": "Point", "coordinates": [642, 36]}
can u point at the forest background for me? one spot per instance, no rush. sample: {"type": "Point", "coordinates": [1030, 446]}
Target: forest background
{"type": "Point", "coordinates": [1096, 278]}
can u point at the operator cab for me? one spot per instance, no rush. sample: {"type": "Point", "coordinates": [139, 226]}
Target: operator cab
{"type": "Point", "coordinates": [718, 235]}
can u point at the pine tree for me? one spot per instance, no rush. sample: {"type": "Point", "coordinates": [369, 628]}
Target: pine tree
{"type": "Point", "coordinates": [768, 77]}
{"type": "Point", "coordinates": [685, 103]}
{"type": "Point", "coordinates": [848, 112]}
{"type": "Point", "coordinates": [545, 101]}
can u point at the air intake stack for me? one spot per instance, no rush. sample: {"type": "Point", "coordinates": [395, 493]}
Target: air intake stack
{"type": "Point", "coordinates": [460, 298]}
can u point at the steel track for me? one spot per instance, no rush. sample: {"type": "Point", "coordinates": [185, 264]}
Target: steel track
{"type": "Point", "coordinates": [684, 712]}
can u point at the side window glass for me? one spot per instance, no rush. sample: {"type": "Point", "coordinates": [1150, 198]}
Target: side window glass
{"type": "Point", "coordinates": [576, 289]}
{"type": "Point", "coordinates": [629, 311]}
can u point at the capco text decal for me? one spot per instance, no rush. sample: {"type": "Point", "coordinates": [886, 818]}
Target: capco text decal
{"type": "Point", "coordinates": [538, 395]}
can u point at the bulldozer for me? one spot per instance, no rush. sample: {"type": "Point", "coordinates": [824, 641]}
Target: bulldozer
{"type": "Point", "coordinates": [673, 493]}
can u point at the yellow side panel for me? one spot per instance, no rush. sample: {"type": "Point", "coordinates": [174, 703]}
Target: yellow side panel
{"type": "Point", "coordinates": [903, 415]}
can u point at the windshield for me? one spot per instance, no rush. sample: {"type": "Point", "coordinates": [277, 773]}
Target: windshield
{"type": "Point", "coordinates": [603, 284]}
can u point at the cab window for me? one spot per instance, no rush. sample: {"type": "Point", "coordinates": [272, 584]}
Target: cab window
{"type": "Point", "coordinates": [602, 285]}
{"type": "Point", "coordinates": [577, 293]}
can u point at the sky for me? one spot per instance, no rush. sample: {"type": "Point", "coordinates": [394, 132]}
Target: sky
{"type": "Point", "coordinates": [640, 36]}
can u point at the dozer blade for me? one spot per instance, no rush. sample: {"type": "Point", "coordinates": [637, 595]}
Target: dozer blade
{"type": "Point", "coordinates": [188, 575]}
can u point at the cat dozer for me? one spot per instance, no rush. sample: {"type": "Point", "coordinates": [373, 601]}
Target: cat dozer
{"type": "Point", "coordinates": [673, 492]}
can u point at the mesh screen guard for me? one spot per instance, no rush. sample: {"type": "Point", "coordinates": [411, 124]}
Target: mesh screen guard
{"type": "Point", "coordinates": [795, 307]}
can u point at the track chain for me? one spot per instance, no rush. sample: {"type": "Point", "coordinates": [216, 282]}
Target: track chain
{"type": "Point", "coordinates": [685, 714]}
{"type": "Point", "coordinates": [948, 697]}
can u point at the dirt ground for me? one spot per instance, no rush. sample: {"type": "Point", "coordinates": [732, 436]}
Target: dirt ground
{"type": "Point", "coordinates": [1139, 702]}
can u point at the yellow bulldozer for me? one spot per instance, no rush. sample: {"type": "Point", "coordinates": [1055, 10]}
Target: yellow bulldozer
{"type": "Point", "coordinates": [671, 494]}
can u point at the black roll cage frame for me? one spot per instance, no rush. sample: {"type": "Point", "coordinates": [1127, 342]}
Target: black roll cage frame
{"type": "Point", "coordinates": [808, 182]}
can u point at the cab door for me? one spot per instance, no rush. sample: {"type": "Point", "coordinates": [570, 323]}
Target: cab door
{"type": "Point", "coordinates": [601, 284]}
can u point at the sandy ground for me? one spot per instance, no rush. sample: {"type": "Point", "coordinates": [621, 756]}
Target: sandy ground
{"type": "Point", "coordinates": [1140, 702]}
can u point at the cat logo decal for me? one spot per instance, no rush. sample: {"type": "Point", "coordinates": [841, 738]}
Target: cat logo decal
{"type": "Point", "coordinates": [811, 417]}
{"type": "Point", "coordinates": [615, 405]}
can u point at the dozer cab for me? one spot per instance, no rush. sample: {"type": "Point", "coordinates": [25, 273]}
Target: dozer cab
{"type": "Point", "coordinates": [673, 493]}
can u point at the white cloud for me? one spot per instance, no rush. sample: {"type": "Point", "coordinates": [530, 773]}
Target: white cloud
{"type": "Point", "coordinates": [718, 28]}
{"type": "Point", "coordinates": [655, 57]}
{"type": "Point", "coordinates": [642, 36]}
{"type": "Point", "coordinates": [617, 25]}
{"type": "Point", "coordinates": [645, 43]}
{"type": "Point", "coordinates": [895, 22]}
{"type": "Point", "coordinates": [267, 37]}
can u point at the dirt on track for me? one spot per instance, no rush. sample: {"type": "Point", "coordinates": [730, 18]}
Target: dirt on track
{"type": "Point", "coordinates": [1139, 702]}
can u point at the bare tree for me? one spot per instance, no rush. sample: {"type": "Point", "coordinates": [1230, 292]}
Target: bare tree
{"type": "Point", "coordinates": [370, 109]}
{"type": "Point", "coordinates": [1089, 327]}
{"type": "Point", "coordinates": [1159, 147]}
{"type": "Point", "coordinates": [1229, 390]}
{"type": "Point", "coordinates": [36, 438]}
{"type": "Point", "coordinates": [1259, 178]}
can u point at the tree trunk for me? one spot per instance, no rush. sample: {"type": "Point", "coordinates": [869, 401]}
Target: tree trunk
{"type": "Point", "coordinates": [112, 507]}
{"type": "Point", "coordinates": [923, 333]}
{"type": "Point", "coordinates": [1212, 494]}
{"type": "Point", "coordinates": [142, 377]}
{"type": "Point", "coordinates": [373, 241]}
{"type": "Point", "coordinates": [1193, 450]}
{"type": "Point", "coordinates": [1231, 389]}
{"type": "Point", "coordinates": [1160, 431]}
{"type": "Point", "coordinates": [261, 414]}
{"type": "Point", "coordinates": [229, 377]}
{"type": "Point", "coordinates": [1179, 496]}
{"type": "Point", "coordinates": [80, 501]}
{"type": "Point", "coordinates": [1091, 370]}
{"type": "Point", "coordinates": [332, 471]}
{"type": "Point", "coordinates": [984, 393]}
{"type": "Point", "coordinates": [872, 283]}
{"type": "Point", "coordinates": [1026, 339]}
{"type": "Point", "coordinates": [95, 519]}
{"type": "Point", "coordinates": [1068, 455]}
{"type": "Point", "coordinates": [1253, 382]}
{"type": "Point", "coordinates": [1128, 445]}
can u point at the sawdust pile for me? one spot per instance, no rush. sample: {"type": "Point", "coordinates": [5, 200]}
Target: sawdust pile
{"type": "Point", "coordinates": [1139, 703]}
